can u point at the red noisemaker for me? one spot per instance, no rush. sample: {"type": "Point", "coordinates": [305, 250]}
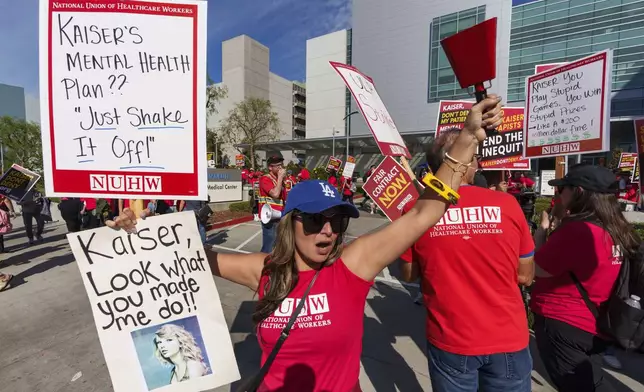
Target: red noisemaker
{"type": "Point", "coordinates": [472, 55]}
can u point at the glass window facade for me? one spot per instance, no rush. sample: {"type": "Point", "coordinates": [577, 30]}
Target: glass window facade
{"type": "Point", "coordinates": [553, 31]}
{"type": "Point", "coordinates": [442, 82]}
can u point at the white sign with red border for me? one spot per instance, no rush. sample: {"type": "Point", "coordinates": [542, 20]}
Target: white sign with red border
{"type": "Point", "coordinates": [373, 109]}
{"type": "Point", "coordinates": [123, 89]}
{"type": "Point", "coordinates": [568, 108]}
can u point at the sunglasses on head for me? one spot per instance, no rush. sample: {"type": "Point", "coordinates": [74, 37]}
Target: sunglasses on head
{"type": "Point", "coordinates": [313, 223]}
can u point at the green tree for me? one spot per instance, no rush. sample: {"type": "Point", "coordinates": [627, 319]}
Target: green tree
{"type": "Point", "coordinates": [252, 122]}
{"type": "Point", "coordinates": [214, 94]}
{"type": "Point", "coordinates": [21, 144]}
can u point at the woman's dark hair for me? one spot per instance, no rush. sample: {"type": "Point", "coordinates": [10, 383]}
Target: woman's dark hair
{"type": "Point", "coordinates": [604, 210]}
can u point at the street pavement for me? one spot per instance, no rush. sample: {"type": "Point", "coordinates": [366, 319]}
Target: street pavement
{"type": "Point", "coordinates": [49, 341]}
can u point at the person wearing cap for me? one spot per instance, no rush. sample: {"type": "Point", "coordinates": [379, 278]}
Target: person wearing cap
{"type": "Point", "coordinates": [589, 245]}
{"type": "Point", "coordinates": [273, 193]}
{"type": "Point", "coordinates": [312, 274]}
{"type": "Point", "coordinates": [483, 249]}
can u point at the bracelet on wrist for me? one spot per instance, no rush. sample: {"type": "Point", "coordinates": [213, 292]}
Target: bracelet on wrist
{"type": "Point", "coordinates": [441, 189]}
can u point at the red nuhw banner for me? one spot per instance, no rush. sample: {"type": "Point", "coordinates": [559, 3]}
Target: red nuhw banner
{"type": "Point", "coordinates": [639, 135]}
{"type": "Point", "coordinates": [391, 188]}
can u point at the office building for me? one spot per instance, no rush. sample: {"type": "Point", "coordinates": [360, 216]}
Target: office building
{"type": "Point", "coordinates": [12, 102]}
{"type": "Point", "coordinates": [399, 47]}
{"type": "Point", "coordinates": [559, 31]}
{"type": "Point", "coordinates": [246, 73]}
{"type": "Point", "coordinates": [299, 110]}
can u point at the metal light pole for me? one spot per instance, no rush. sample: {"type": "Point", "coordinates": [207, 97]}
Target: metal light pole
{"type": "Point", "coordinates": [347, 127]}
{"type": "Point", "coordinates": [333, 141]}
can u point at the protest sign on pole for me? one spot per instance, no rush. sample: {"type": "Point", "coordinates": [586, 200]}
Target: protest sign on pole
{"type": "Point", "coordinates": [627, 161]}
{"type": "Point", "coordinates": [349, 167]}
{"type": "Point", "coordinates": [452, 115]}
{"type": "Point", "coordinates": [156, 307]}
{"type": "Point", "coordinates": [334, 164]}
{"type": "Point", "coordinates": [17, 181]}
{"type": "Point", "coordinates": [568, 108]}
{"type": "Point", "coordinates": [545, 189]}
{"type": "Point", "coordinates": [639, 138]}
{"type": "Point", "coordinates": [123, 89]}
{"type": "Point", "coordinates": [503, 151]}
{"type": "Point", "coordinates": [391, 188]}
{"type": "Point", "coordinates": [373, 110]}
{"type": "Point", "coordinates": [240, 160]}
{"type": "Point", "coordinates": [636, 173]}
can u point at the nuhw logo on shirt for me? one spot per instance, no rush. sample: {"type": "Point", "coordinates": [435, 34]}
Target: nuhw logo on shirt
{"type": "Point", "coordinates": [617, 255]}
{"type": "Point", "coordinates": [314, 313]}
{"type": "Point", "coordinates": [466, 222]}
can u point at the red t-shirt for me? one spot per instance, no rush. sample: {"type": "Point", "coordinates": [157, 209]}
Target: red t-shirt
{"type": "Point", "coordinates": [322, 352]}
{"type": "Point", "coordinates": [266, 184]}
{"type": "Point", "coordinates": [305, 174]}
{"type": "Point", "coordinates": [468, 264]}
{"type": "Point", "coordinates": [346, 186]}
{"type": "Point", "coordinates": [333, 181]}
{"type": "Point", "coordinates": [512, 184]}
{"type": "Point", "coordinates": [587, 251]}
{"type": "Point", "coordinates": [90, 204]}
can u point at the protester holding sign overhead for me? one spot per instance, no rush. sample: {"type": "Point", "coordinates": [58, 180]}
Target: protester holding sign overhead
{"type": "Point", "coordinates": [310, 265]}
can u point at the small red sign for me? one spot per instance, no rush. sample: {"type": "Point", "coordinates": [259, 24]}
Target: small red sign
{"type": "Point", "coordinates": [391, 188]}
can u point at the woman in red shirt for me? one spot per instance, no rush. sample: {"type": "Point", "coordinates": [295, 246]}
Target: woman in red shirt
{"type": "Point", "coordinates": [590, 245]}
{"type": "Point", "coordinates": [311, 266]}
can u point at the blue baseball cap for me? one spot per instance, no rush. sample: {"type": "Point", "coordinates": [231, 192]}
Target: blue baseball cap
{"type": "Point", "coordinates": [315, 196]}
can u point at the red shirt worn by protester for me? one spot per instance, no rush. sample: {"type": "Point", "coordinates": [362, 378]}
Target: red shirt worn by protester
{"type": "Point", "coordinates": [333, 181]}
{"type": "Point", "coordinates": [266, 183]}
{"type": "Point", "coordinates": [322, 352]}
{"type": "Point", "coordinates": [346, 186]}
{"type": "Point", "coordinates": [468, 265]}
{"type": "Point", "coordinates": [513, 184]}
{"type": "Point", "coordinates": [304, 174]}
{"type": "Point", "coordinates": [90, 204]}
{"type": "Point", "coordinates": [587, 251]}
{"type": "Point", "coordinates": [632, 193]}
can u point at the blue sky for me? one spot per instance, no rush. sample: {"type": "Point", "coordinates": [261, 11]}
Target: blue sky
{"type": "Point", "coordinates": [282, 25]}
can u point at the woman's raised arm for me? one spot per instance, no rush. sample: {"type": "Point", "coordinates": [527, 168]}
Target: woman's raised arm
{"type": "Point", "coordinates": [370, 254]}
{"type": "Point", "coordinates": [244, 269]}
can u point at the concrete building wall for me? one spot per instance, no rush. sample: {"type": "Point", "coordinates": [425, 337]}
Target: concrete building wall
{"type": "Point", "coordinates": [12, 101]}
{"type": "Point", "coordinates": [325, 90]}
{"type": "Point", "coordinates": [245, 73]}
{"type": "Point", "coordinates": [391, 43]}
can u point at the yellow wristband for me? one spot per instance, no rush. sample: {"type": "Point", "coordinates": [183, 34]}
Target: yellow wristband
{"type": "Point", "coordinates": [441, 188]}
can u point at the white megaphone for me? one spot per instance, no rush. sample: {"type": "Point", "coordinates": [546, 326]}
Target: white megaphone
{"type": "Point", "coordinates": [268, 214]}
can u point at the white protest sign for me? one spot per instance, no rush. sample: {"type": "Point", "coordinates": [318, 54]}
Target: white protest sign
{"type": "Point", "coordinates": [156, 307]}
{"type": "Point", "coordinates": [349, 167]}
{"type": "Point", "coordinates": [545, 189]}
{"type": "Point", "coordinates": [568, 108]}
{"type": "Point", "coordinates": [123, 89]}
{"type": "Point", "coordinates": [373, 109]}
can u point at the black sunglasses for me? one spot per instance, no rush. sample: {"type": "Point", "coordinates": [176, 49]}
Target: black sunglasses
{"type": "Point", "coordinates": [313, 223]}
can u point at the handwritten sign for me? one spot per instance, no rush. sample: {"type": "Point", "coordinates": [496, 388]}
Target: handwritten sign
{"type": "Point", "coordinates": [568, 108]}
{"type": "Point", "coordinates": [156, 307]}
{"type": "Point", "coordinates": [391, 188]}
{"type": "Point", "coordinates": [334, 164]}
{"type": "Point", "coordinates": [373, 109]}
{"type": "Point", "coordinates": [452, 115]}
{"type": "Point", "coordinates": [17, 181]}
{"type": "Point", "coordinates": [545, 188]}
{"type": "Point", "coordinates": [123, 85]}
{"type": "Point", "coordinates": [349, 167]}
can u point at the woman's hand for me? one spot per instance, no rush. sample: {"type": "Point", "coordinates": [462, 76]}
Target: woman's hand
{"type": "Point", "coordinates": [126, 221]}
{"type": "Point", "coordinates": [487, 114]}
{"type": "Point", "coordinates": [545, 220]}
